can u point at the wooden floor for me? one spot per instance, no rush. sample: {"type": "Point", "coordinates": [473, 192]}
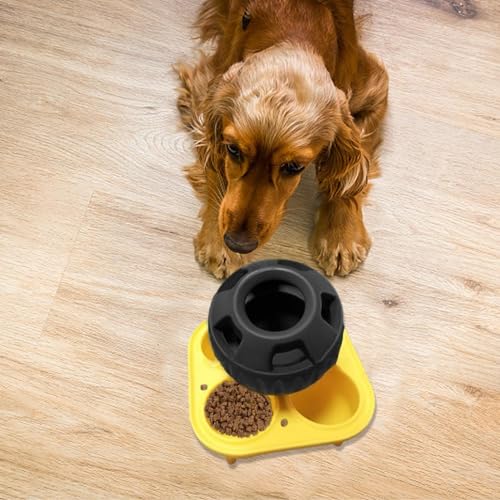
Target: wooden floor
{"type": "Point", "coordinates": [99, 290]}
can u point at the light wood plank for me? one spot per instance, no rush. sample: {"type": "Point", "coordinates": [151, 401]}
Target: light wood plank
{"type": "Point", "coordinates": [99, 289]}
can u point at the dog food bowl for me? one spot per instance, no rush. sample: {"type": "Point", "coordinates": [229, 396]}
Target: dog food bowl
{"type": "Point", "coordinates": [334, 409]}
{"type": "Point", "coordinates": [276, 326]}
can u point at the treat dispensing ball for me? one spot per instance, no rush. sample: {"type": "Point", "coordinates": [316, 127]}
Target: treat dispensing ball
{"type": "Point", "coordinates": [274, 367]}
{"type": "Point", "coordinates": [276, 326]}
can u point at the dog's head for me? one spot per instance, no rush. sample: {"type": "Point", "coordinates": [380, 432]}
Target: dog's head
{"type": "Point", "coordinates": [267, 120]}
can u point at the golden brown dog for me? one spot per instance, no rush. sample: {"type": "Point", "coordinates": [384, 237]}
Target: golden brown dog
{"type": "Point", "coordinates": [288, 87]}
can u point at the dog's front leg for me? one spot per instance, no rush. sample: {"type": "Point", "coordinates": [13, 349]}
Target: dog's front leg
{"type": "Point", "coordinates": [340, 240]}
{"type": "Point", "coordinates": [210, 250]}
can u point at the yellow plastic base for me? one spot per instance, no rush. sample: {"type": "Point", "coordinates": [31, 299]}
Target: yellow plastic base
{"type": "Point", "coordinates": [332, 410]}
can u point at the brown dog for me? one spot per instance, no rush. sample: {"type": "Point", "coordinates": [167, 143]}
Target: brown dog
{"type": "Point", "coordinates": [287, 88]}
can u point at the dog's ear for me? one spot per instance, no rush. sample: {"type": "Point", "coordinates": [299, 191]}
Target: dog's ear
{"type": "Point", "coordinates": [218, 104]}
{"type": "Point", "coordinates": [211, 147]}
{"type": "Point", "coordinates": [342, 169]}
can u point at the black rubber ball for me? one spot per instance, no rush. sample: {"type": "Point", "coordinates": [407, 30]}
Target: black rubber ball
{"type": "Point", "coordinates": [276, 326]}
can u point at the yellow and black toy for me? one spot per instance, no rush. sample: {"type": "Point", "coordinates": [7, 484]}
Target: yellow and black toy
{"type": "Point", "coordinates": [277, 327]}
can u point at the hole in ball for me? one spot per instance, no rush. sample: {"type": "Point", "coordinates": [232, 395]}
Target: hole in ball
{"type": "Point", "coordinates": [275, 305]}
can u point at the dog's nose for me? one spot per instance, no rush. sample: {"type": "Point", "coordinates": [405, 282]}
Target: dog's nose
{"type": "Point", "coordinates": [240, 242]}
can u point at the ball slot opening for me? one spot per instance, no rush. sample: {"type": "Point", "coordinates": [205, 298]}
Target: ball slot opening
{"type": "Point", "coordinates": [275, 306]}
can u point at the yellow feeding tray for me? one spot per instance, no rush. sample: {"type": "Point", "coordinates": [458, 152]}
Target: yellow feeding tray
{"type": "Point", "coordinates": [335, 408]}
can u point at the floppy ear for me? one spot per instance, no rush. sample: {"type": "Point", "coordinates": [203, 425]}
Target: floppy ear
{"type": "Point", "coordinates": [342, 171]}
{"type": "Point", "coordinates": [211, 147]}
{"type": "Point", "coordinates": [217, 104]}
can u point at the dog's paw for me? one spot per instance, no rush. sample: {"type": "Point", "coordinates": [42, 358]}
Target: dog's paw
{"type": "Point", "coordinates": [341, 254]}
{"type": "Point", "coordinates": [215, 257]}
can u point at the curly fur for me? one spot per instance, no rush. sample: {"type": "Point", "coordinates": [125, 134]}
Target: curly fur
{"type": "Point", "coordinates": [294, 86]}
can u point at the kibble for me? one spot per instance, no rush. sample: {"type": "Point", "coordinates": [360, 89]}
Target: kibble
{"type": "Point", "coordinates": [235, 410]}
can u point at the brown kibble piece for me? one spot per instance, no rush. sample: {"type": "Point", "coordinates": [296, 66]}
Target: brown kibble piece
{"type": "Point", "coordinates": [235, 410]}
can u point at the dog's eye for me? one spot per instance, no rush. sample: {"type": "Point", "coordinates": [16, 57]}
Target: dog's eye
{"type": "Point", "coordinates": [291, 168]}
{"type": "Point", "coordinates": [245, 20]}
{"type": "Point", "coordinates": [234, 151]}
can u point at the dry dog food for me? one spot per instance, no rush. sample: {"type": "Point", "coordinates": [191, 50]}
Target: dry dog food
{"type": "Point", "coordinates": [235, 410]}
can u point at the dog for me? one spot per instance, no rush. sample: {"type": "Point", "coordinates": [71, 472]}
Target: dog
{"type": "Point", "coordinates": [286, 87]}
